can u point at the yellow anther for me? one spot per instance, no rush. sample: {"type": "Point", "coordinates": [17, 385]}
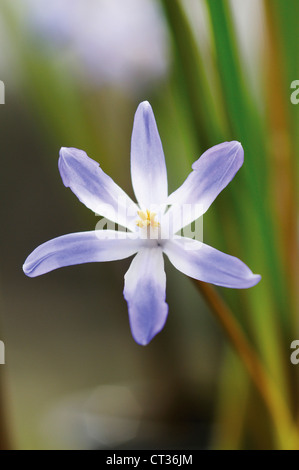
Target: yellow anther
{"type": "Point", "coordinates": [147, 218]}
{"type": "Point", "coordinates": [143, 215]}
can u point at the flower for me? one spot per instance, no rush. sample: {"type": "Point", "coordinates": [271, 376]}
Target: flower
{"type": "Point", "coordinates": [151, 224]}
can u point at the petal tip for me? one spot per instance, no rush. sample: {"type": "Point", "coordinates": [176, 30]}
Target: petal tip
{"type": "Point", "coordinates": [73, 161]}
{"type": "Point", "coordinates": [25, 269]}
{"type": "Point", "coordinates": [141, 342]}
{"type": "Point", "coordinates": [64, 154]}
{"type": "Point", "coordinates": [145, 105]}
{"type": "Point", "coordinates": [28, 270]}
{"type": "Point", "coordinates": [250, 281]}
{"type": "Point", "coordinates": [63, 150]}
{"type": "Point", "coordinates": [144, 108]}
{"type": "Point", "coordinates": [231, 149]}
{"type": "Point", "coordinates": [143, 335]}
{"type": "Point", "coordinates": [256, 278]}
{"type": "Point", "coordinates": [146, 339]}
{"type": "Point", "coordinates": [231, 144]}
{"type": "Point", "coordinates": [239, 151]}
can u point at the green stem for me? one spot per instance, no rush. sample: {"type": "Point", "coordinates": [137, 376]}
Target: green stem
{"type": "Point", "coordinates": [285, 429]}
{"type": "Point", "coordinates": [247, 127]}
{"type": "Point", "coordinates": [191, 74]}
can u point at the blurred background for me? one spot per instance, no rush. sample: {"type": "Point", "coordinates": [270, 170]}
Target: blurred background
{"type": "Point", "coordinates": [74, 73]}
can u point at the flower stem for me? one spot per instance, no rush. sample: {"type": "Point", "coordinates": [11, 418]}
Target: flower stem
{"type": "Point", "coordinates": [284, 426]}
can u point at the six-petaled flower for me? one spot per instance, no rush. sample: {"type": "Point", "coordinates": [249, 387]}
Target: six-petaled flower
{"type": "Point", "coordinates": [152, 223]}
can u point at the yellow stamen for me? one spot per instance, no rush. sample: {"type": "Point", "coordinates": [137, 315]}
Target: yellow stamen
{"type": "Point", "coordinates": [147, 218]}
{"type": "Point", "coordinates": [142, 214]}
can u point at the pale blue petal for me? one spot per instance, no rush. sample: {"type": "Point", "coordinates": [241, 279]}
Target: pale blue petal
{"type": "Point", "coordinates": [145, 291]}
{"type": "Point", "coordinates": [96, 189]}
{"type": "Point", "coordinates": [148, 169]}
{"type": "Point", "coordinates": [202, 262]}
{"type": "Point", "coordinates": [211, 174]}
{"type": "Point", "coordinates": [78, 248]}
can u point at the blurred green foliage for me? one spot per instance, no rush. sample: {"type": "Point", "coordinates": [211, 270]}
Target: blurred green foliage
{"type": "Point", "coordinates": [207, 97]}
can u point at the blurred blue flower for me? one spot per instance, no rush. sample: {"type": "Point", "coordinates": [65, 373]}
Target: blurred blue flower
{"type": "Point", "coordinates": [121, 42]}
{"type": "Point", "coordinates": [151, 224]}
